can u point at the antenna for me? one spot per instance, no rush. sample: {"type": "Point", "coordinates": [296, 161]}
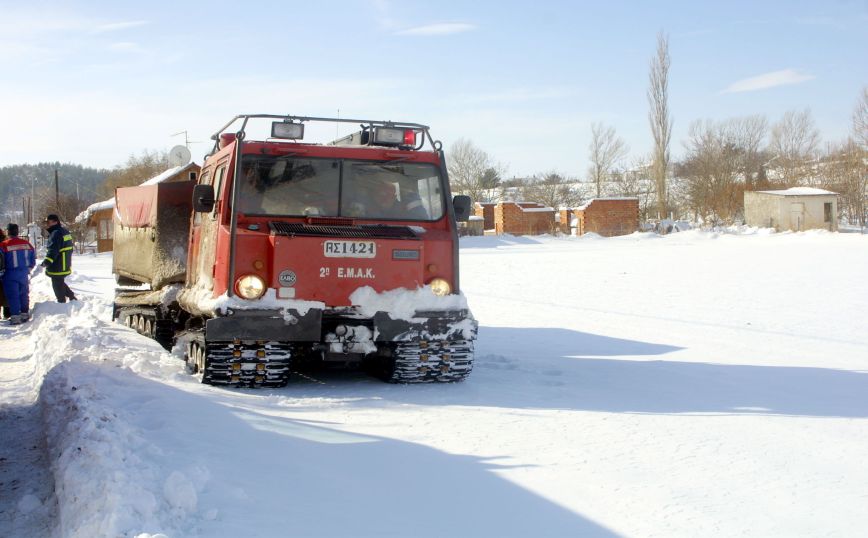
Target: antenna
{"type": "Point", "coordinates": [186, 141]}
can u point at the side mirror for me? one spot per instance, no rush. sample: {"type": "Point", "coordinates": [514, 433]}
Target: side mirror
{"type": "Point", "coordinates": [461, 204]}
{"type": "Point", "coordinates": [203, 198]}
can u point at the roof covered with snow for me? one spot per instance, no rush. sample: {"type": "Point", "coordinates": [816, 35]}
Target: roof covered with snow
{"type": "Point", "coordinates": [85, 215]}
{"type": "Point", "coordinates": [800, 191]}
{"type": "Point", "coordinates": [168, 174]}
{"type": "Point", "coordinates": [537, 209]}
{"type": "Point", "coordinates": [592, 200]}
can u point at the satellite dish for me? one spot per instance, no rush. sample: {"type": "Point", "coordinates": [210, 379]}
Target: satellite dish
{"type": "Point", "coordinates": [179, 156]}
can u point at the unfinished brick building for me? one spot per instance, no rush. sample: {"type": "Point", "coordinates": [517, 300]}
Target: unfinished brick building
{"type": "Point", "coordinates": [606, 216]}
{"type": "Point", "coordinates": [486, 211]}
{"type": "Point", "coordinates": [523, 218]}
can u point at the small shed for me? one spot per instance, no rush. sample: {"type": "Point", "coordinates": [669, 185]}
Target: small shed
{"type": "Point", "coordinates": [97, 218]}
{"type": "Point", "coordinates": [796, 209]}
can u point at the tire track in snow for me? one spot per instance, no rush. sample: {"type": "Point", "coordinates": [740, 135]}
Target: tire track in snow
{"type": "Point", "coordinates": [28, 506]}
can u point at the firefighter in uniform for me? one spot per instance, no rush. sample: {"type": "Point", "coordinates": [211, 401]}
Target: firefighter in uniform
{"type": "Point", "coordinates": [58, 258]}
{"type": "Point", "coordinates": [4, 306]}
{"type": "Point", "coordinates": [19, 258]}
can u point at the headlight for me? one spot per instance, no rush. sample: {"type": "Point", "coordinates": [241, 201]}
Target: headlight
{"type": "Point", "coordinates": [440, 287]}
{"type": "Point", "coordinates": [250, 287]}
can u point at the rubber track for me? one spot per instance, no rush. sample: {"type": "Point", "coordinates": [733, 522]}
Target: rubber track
{"type": "Point", "coordinates": [163, 329]}
{"type": "Point", "coordinates": [221, 359]}
{"type": "Point", "coordinates": [430, 362]}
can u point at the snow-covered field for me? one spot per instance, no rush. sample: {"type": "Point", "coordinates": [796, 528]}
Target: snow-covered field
{"type": "Point", "coordinates": [699, 384]}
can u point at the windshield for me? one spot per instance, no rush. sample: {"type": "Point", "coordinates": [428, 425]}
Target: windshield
{"type": "Point", "coordinates": [288, 186]}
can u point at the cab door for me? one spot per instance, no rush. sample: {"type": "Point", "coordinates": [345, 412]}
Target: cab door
{"type": "Point", "coordinates": [203, 239]}
{"type": "Point", "coordinates": [195, 235]}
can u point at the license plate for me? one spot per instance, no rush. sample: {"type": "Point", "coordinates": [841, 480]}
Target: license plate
{"type": "Point", "coordinates": [349, 249]}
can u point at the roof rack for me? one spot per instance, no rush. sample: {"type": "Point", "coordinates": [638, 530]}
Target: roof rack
{"type": "Point", "coordinates": [366, 126]}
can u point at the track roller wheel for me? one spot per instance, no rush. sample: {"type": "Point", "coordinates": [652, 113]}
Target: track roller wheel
{"type": "Point", "coordinates": [195, 359]}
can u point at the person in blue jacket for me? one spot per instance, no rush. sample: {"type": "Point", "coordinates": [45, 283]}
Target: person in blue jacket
{"type": "Point", "coordinates": [19, 257]}
{"type": "Point", "coordinates": [4, 306]}
{"type": "Point", "coordinates": [58, 258]}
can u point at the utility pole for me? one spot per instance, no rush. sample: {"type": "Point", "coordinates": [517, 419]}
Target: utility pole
{"type": "Point", "coordinates": [56, 192]}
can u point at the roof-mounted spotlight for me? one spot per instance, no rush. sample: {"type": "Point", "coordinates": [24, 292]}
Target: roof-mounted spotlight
{"type": "Point", "coordinates": [287, 130]}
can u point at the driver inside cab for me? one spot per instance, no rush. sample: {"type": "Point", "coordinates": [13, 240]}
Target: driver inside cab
{"type": "Point", "coordinates": [389, 201]}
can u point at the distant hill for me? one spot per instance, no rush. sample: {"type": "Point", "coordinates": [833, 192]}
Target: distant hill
{"type": "Point", "coordinates": [75, 181]}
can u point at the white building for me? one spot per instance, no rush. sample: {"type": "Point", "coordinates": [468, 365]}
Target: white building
{"type": "Point", "coordinates": [798, 208]}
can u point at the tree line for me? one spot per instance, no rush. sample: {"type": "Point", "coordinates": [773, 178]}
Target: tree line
{"type": "Point", "coordinates": [722, 159]}
{"type": "Point", "coordinates": [28, 192]}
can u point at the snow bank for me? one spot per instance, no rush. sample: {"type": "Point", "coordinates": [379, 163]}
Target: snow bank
{"type": "Point", "coordinates": [111, 477]}
{"type": "Point", "coordinates": [101, 486]}
{"type": "Point", "coordinates": [103, 482]}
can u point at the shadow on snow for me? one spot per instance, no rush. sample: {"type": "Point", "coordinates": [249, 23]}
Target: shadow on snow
{"type": "Point", "coordinates": [548, 368]}
{"type": "Point", "coordinates": [303, 477]}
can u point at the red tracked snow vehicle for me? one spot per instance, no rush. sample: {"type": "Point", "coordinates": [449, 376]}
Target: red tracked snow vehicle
{"type": "Point", "coordinates": [284, 253]}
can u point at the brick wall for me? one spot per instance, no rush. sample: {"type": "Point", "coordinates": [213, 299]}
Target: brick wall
{"type": "Point", "coordinates": [513, 218]}
{"type": "Point", "coordinates": [609, 216]}
{"type": "Point", "coordinates": [567, 216]}
{"type": "Point", "coordinates": [486, 211]}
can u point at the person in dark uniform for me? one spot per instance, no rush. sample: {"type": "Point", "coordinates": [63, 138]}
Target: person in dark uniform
{"type": "Point", "coordinates": [19, 257]}
{"type": "Point", "coordinates": [58, 258]}
{"type": "Point", "coordinates": [4, 306]}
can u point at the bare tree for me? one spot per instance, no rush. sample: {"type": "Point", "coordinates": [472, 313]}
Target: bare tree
{"type": "Point", "coordinates": [605, 150]}
{"type": "Point", "coordinates": [661, 124]}
{"type": "Point", "coordinates": [67, 206]}
{"type": "Point", "coordinates": [471, 171]}
{"type": "Point", "coordinates": [794, 142]}
{"type": "Point", "coordinates": [635, 181]}
{"type": "Point", "coordinates": [860, 163]}
{"type": "Point", "coordinates": [136, 170]}
{"type": "Point", "coordinates": [713, 170]}
{"type": "Point", "coordinates": [723, 160]}
{"type": "Point", "coordinates": [749, 134]}
{"type": "Point", "coordinates": [845, 171]}
{"type": "Point", "coordinates": [551, 190]}
{"type": "Point", "coordinates": [860, 120]}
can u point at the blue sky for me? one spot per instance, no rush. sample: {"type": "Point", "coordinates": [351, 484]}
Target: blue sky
{"type": "Point", "coordinates": [93, 82]}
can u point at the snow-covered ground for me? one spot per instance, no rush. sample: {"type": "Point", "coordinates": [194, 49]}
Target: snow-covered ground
{"type": "Point", "coordinates": [699, 384]}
